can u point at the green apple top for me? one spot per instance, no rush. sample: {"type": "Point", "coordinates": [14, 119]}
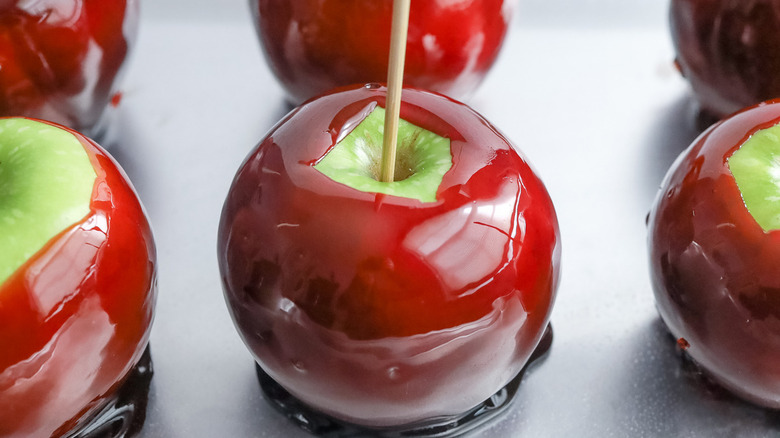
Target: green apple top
{"type": "Point", "coordinates": [422, 159]}
{"type": "Point", "coordinates": [46, 184]}
{"type": "Point", "coordinates": [756, 170]}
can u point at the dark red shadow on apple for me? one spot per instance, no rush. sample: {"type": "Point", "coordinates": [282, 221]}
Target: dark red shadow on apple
{"type": "Point", "coordinates": [729, 51]}
{"type": "Point", "coordinates": [325, 426]}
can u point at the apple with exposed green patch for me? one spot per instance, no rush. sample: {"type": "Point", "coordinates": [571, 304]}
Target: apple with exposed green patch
{"type": "Point", "coordinates": [387, 304]}
{"type": "Point", "coordinates": [77, 278]}
{"type": "Point", "coordinates": [714, 242]}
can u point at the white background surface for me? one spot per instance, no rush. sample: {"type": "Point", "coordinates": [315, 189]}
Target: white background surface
{"type": "Point", "coordinates": [585, 88]}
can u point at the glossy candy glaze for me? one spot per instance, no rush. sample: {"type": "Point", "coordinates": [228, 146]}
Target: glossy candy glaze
{"type": "Point", "coordinates": [381, 310]}
{"type": "Point", "coordinates": [715, 271]}
{"type": "Point", "coordinates": [313, 46]}
{"type": "Point", "coordinates": [728, 50]}
{"type": "Point", "coordinates": [60, 60]}
{"type": "Point", "coordinates": [75, 319]}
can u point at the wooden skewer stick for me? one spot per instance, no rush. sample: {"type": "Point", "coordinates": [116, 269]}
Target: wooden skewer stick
{"type": "Point", "coordinates": [395, 78]}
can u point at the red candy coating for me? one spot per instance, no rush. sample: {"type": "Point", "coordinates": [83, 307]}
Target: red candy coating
{"type": "Point", "coordinates": [75, 318]}
{"type": "Point", "coordinates": [382, 310]}
{"type": "Point", "coordinates": [728, 50]}
{"type": "Point", "coordinates": [313, 46]}
{"type": "Point", "coordinates": [60, 60]}
{"type": "Point", "coordinates": [714, 269]}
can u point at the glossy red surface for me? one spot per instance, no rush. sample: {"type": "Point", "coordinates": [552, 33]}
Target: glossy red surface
{"type": "Point", "coordinates": [382, 310]}
{"type": "Point", "coordinates": [728, 50]}
{"type": "Point", "coordinates": [60, 60]}
{"type": "Point", "coordinates": [714, 270]}
{"type": "Point", "coordinates": [313, 46]}
{"type": "Point", "coordinates": [75, 319]}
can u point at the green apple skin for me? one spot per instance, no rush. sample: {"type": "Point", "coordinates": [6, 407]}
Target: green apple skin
{"type": "Point", "coordinates": [384, 310]}
{"type": "Point", "coordinates": [714, 256]}
{"type": "Point", "coordinates": [75, 316]}
{"type": "Point", "coordinates": [756, 169]}
{"type": "Point", "coordinates": [422, 159]}
{"type": "Point", "coordinates": [46, 182]}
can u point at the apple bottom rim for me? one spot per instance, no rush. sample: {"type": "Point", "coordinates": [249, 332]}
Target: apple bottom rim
{"type": "Point", "coordinates": [325, 426]}
{"type": "Point", "coordinates": [123, 412]}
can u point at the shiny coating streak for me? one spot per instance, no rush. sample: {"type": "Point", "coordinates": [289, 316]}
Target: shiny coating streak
{"type": "Point", "coordinates": [729, 50]}
{"type": "Point", "coordinates": [382, 310]}
{"type": "Point", "coordinates": [60, 60]}
{"type": "Point", "coordinates": [313, 46]}
{"type": "Point", "coordinates": [714, 269]}
{"type": "Point", "coordinates": [75, 319]}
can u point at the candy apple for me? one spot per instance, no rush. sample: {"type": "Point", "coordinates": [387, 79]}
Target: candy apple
{"type": "Point", "coordinates": [728, 50]}
{"type": "Point", "coordinates": [388, 304]}
{"type": "Point", "coordinates": [77, 278]}
{"type": "Point", "coordinates": [60, 60]}
{"type": "Point", "coordinates": [313, 46]}
{"type": "Point", "coordinates": [714, 237]}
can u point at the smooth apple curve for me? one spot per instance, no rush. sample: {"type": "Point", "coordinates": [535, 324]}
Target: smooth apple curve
{"type": "Point", "coordinates": [728, 51]}
{"type": "Point", "coordinates": [63, 60]}
{"type": "Point", "coordinates": [313, 46]}
{"type": "Point", "coordinates": [46, 183]}
{"type": "Point", "coordinates": [713, 264]}
{"type": "Point", "coordinates": [379, 310]}
{"type": "Point", "coordinates": [422, 159]}
{"type": "Point", "coordinates": [756, 169]}
{"type": "Point", "coordinates": [75, 317]}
